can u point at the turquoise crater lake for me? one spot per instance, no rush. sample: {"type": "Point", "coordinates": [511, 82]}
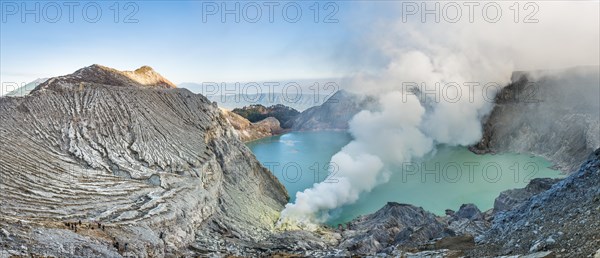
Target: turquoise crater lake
{"type": "Point", "coordinates": [443, 180]}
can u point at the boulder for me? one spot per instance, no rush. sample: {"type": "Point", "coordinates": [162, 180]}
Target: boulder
{"type": "Point", "coordinates": [469, 211]}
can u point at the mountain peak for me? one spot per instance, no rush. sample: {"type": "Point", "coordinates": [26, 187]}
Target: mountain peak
{"type": "Point", "coordinates": [144, 77]}
{"type": "Point", "coordinates": [145, 69]}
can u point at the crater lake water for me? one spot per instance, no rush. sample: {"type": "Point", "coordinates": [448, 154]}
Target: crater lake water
{"type": "Point", "coordinates": [445, 179]}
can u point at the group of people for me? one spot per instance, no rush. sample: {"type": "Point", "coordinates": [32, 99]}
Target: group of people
{"type": "Point", "coordinates": [74, 225]}
{"type": "Point", "coordinates": [117, 245]}
{"type": "Point", "coordinates": [121, 247]}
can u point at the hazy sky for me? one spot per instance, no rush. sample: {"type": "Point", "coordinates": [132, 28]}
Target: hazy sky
{"type": "Point", "coordinates": [185, 42]}
{"type": "Point", "coordinates": [174, 39]}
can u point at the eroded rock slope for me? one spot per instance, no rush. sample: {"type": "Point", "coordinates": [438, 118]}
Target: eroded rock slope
{"type": "Point", "coordinates": [554, 114]}
{"type": "Point", "coordinates": [153, 164]}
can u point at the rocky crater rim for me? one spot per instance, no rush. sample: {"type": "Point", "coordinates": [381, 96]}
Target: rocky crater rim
{"type": "Point", "coordinates": [143, 77]}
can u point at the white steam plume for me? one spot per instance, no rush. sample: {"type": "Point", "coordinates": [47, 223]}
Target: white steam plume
{"type": "Point", "coordinates": [407, 126]}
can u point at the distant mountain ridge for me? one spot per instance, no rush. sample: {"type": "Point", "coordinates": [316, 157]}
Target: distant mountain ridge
{"type": "Point", "coordinates": [298, 94]}
{"type": "Point", "coordinates": [25, 89]}
{"type": "Point", "coordinates": [254, 113]}
{"type": "Point", "coordinates": [335, 113]}
{"type": "Point", "coordinates": [299, 102]}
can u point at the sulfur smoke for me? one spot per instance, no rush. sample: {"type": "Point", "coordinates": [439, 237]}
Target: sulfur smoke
{"type": "Point", "coordinates": [438, 83]}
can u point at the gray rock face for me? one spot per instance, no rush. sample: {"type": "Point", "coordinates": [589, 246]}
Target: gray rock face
{"type": "Point", "coordinates": [511, 199]}
{"type": "Point", "coordinates": [157, 166]}
{"type": "Point", "coordinates": [334, 114]}
{"type": "Point", "coordinates": [473, 228]}
{"type": "Point", "coordinates": [550, 114]}
{"type": "Point", "coordinates": [393, 225]}
{"type": "Point", "coordinates": [564, 219]}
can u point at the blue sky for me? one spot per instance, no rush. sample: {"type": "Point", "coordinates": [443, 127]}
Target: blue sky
{"type": "Point", "coordinates": [173, 38]}
{"type": "Point", "coordinates": [185, 43]}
